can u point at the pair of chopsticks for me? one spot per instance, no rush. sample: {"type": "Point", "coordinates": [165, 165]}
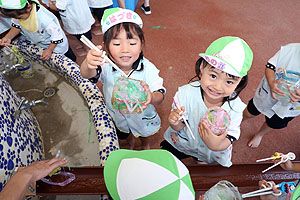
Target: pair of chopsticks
{"type": "Point", "coordinates": [178, 106]}
{"type": "Point", "coordinates": [89, 44]}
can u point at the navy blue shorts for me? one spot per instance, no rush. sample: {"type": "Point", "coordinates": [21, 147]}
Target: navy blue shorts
{"type": "Point", "coordinates": [180, 155]}
{"type": "Point", "coordinates": [274, 122]}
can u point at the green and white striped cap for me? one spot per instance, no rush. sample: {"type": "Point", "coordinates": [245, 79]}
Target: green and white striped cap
{"type": "Point", "coordinates": [229, 54]}
{"type": "Point", "coordinates": [114, 16]}
{"type": "Point", "coordinates": [147, 174]}
{"type": "Point", "coordinates": [14, 4]}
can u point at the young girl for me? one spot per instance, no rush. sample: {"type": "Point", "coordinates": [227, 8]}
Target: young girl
{"type": "Point", "coordinates": [76, 17]}
{"type": "Point", "coordinates": [123, 41]}
{"type": "Point", "coordinates": [37, 24]}
{"type": "Point", "coordinates": [222, 74]}
{"type": "Point", "coordinates": [279, 105]}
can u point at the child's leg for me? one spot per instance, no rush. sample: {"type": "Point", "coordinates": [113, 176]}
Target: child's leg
{"type": "Point", "coordinates": [167, 146]}
{"type": "Point", "coordinates": [98, 12]}
{"type": "Point", "coordinates": [250, 111]}
{"type": "Point", "coordinates": [256, 139]}
{"type": "Point", "coordinates": [131, 141]}
{"type": "Point", "coordinates": [145, 142]}
{"type": "Point", "coordinates": [247, 114]}
{"type": "Point", "coordinates": [129, 138]}
{"type": "Point", "coordinates": [88, 35]}
{"type": "Point", "coordinates": [70, 54]}
{"type": "Point", "coordinates": [275, 122]}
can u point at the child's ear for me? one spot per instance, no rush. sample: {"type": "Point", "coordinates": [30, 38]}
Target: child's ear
{"type": "Point", "coordinates": [201, 69]}
{"type": "Point", "coordinates": [29, 7]}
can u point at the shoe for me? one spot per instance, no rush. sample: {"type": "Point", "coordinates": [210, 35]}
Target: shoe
{"type": "Point", "coordinates": [146, 10]}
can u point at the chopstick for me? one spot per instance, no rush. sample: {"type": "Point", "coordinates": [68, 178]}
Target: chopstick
{"type": "Point", "coordinates": [89, 44]}
{"type": "Point", "coordinates": [176, 102]}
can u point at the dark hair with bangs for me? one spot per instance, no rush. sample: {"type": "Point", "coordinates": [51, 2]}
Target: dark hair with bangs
{"type": "Point", "coordinates": [242, 84]}
{"type": "Point", "coordinates": [130, 29]}
{"type": "Point", "coordinates": [15, 13]}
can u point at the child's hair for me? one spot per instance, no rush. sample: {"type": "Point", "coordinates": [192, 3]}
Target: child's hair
{"type": "Point", "coordinates": [130, 29]}
{"type": "Point", "coordinates": [242, 84]}
{"type": "Point", "coordinates": [15, 13]}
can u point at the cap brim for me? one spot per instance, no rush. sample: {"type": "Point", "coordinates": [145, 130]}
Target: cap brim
{"type": "Point", "coordinates": [219, 64]}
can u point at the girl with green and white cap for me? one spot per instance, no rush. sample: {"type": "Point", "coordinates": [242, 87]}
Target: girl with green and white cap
{"type": "Point", "coordinates": [221, 74]}
{"type": "Point", "coordinates": [37, 24]}
{"type": "Point", "coordinates": [124, 42]}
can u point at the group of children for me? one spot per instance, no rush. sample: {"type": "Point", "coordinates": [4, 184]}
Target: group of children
{"type": "Point", "coordinates": [221, 74]}
{"type": "Point", "coordinates": [42, 28]}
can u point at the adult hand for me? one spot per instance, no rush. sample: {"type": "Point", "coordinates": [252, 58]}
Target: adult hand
{"type": "Point", "coordinates": [40, 169]}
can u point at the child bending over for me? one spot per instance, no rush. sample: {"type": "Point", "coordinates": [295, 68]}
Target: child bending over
{"type": "Point", "coordinates": [38, 25]}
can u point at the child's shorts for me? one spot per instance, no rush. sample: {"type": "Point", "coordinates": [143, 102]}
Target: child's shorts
{"type": "Point", "coordinates": [274, 122]}
{"type": "Point", "coordinates": [180, 155]}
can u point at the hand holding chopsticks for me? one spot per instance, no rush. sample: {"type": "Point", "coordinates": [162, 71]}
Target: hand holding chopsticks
{"type": "Point", "coordinates": [88, 43]}
{"type": "Point", "coordinates": [284, 158]}
{"type": "Point", "coordinates": [176, 102]}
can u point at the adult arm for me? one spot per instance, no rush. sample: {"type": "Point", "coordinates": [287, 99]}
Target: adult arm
{"type": "Point", "coordinates": [16, 187]}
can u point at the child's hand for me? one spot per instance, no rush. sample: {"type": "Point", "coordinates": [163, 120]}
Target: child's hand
{"type": "Point", "coordinates": [295, 97]}
{"type": "Point", "coordinates": [94, 59]}
{"type": "Point", "coordinates": [149, 95]}
{"type": "Point", "coordinates": [212, 141]}
{"type": "Point", "coordinates": [269, 196]}
{"type": "Point", "coordinates": [5, 41]}
{"type": "Point", "coordinates": [275, 90]}
{"type": "Point", "coordinates": [174, 117]}
{"type": "Point", "coordinates": [46, 54]}
{"type": "Point", "coordinates": [288, 165]}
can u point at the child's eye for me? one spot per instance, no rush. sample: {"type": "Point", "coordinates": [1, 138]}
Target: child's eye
{"type": "Point", "coordinates": [229, 82]}
{"type": "Point", "coordinates": [116, 44]}
{"type": "Point", "coordinates": [213, 76]}
{"type": "Point", "coordinates": [132, 43]}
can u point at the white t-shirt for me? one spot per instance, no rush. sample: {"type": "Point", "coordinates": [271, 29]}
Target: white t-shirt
{"type": "Point", "coordinates": [190, 97]}
{"type": "Point", "coordinates": [75, 15]}
{"type": "Point", "coordinates": [288, 57]}
{"type": "Point", "coordinates": [99, 3]}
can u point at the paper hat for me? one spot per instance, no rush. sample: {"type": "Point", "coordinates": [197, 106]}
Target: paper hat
{"type": "Point", "coordinates": [114, 16]}
{"type": "Point", "coordinates": [14, 4]}
{"type": "Point", "coordinates": [229, 54]}
{"type": "Point", "coordinates": [147, 174]}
